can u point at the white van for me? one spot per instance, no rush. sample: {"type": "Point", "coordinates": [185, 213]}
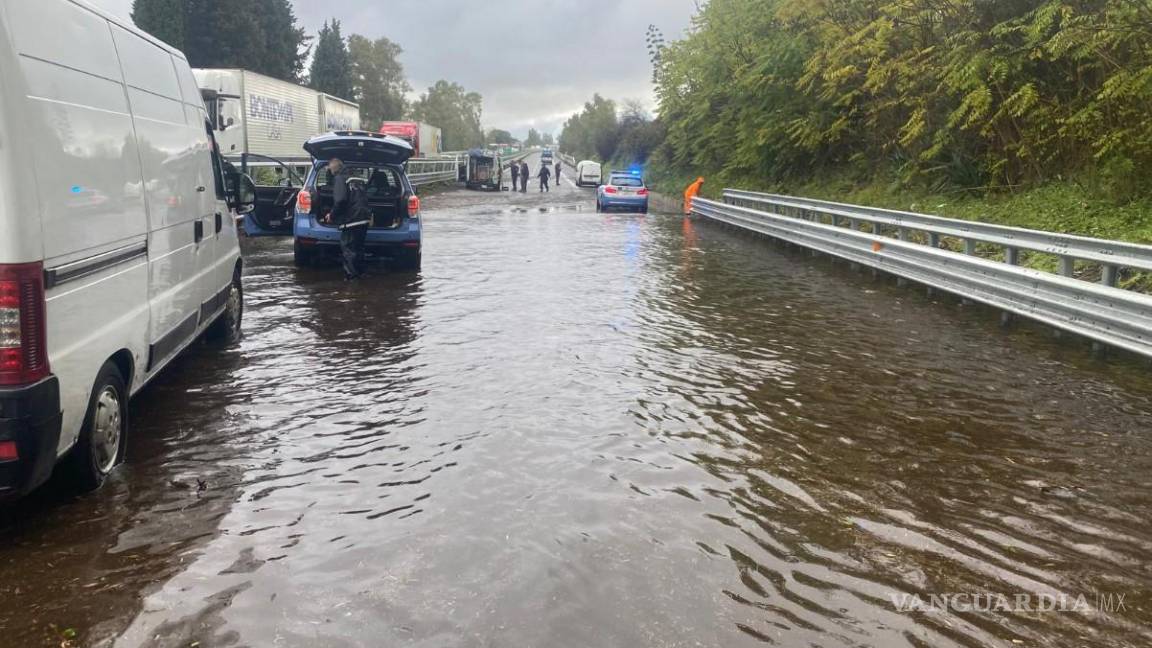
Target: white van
{"type": "Point", "coordinates": [588, 174]}
{"type": "Point", "coordinates": [118, 242]}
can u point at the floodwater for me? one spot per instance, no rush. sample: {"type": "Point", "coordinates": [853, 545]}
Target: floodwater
{"type": "Point", "coordinates": [575, 429]}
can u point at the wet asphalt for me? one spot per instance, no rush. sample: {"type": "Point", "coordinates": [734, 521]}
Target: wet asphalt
{"type": "Point", "coordinates": [581, 429]}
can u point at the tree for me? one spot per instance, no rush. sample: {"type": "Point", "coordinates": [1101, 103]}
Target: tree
{"type": "Point", "coordinates": [285, 45]}
{"type": "Point", "coordinates": [332, 68]}
{"type": "Point", "coordinates": [592, 132]}
{"type": "Point", "coordinates": [498, 136]}
{"type": "Point", "coordinates": [259, 35]}
{"type": "Point", "coordinates": [378, 79]}
{"type": "Point", "coordinates": [164, 19]}
{"type": "Point", "coordinates": [534, 138]}
{"type": "Point", "coordinates": [547, 140]}
{"type": "Point", "coordinates": [455, 110]}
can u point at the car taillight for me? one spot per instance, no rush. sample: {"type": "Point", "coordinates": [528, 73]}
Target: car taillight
{"type": "Point", "coordinates": [642, 192]}
{"type": "Point", "coordinates": [610, 189]}
{"type": "Point", "coordinates": [413, 206]}
{"type": "Point", "coordinates": [23, 337]}
{"type": "Point", "coordinates": [304, 201]}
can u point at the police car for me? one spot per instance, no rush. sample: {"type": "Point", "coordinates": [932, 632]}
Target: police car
{"type": "Point", "coordinates": [394, 233]}
{"type": "Point", "coordinates": [624, 190]}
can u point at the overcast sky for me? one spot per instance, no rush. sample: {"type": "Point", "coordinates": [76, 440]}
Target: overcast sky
{"type": "Point", "coordinates": [535, 61]}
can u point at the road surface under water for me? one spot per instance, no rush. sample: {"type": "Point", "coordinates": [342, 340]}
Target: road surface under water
{"type": "Point", "coordinates": [576, 429]}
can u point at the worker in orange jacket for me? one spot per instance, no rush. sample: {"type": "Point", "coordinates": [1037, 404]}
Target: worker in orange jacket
{"type": "Point", "coordinates": [691, 192]}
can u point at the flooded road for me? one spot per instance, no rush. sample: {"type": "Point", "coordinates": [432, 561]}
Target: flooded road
{"type": "Point", "coordinates": [576, 429]}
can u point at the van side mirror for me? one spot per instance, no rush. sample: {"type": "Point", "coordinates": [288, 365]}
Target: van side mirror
{"type": "Point", "coordinates": [229, 124]}
{"type": "Point", "coordinates": [244, 194]}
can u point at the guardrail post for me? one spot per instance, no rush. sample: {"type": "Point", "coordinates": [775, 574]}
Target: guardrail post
{"type": "Point", "coordinates": [970, 247]}
{"type": "Point", "coordinates": [933, 240]}
{"type": "Point", "coordinates": [1012, 256]}
{"type": "Point", "coordinates": [1067, 266]}
{"type": "Point", "coordinates": [876, 228]}
{"type": "Point", "coordinates": [1108, 275]}
{"type": "Point", "coordinates": [902, 233]}
{"type": "Point", "coordinates": [854, 224]}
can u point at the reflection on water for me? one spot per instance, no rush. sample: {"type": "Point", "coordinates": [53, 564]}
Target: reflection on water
{"type": "Point", "coordinates": [578, 429]}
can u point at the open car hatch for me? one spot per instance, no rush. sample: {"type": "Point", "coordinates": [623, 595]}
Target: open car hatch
{"type": "Point", "coordinates": [359, 146]}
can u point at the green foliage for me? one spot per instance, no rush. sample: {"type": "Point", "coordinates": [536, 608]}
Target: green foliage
{"type": "Point", "coordinates": [332, 66]}
{"type": "Point", "coordinates": [623, 137]}
{"type": "Point", "coordinates": [378, 78]}
{"type": "Point", "coordinates": [456, 111]}
{"type": "Point", "coordinates": [974, 94]}
{"type": "Point", "coordinates": [164, 19]}
{"type": "Point", "coordinates": [533, 138]}
{"type": "Point", "coordinates": [258, 35]}
{"type": "Point", "coordinates": [548, 140]}
{"type": "Point", "coordinates": [593, 132]}
{"type": "Point", "coordinates": [498, 136]}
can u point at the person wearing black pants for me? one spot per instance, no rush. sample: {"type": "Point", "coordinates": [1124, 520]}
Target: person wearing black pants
{"type": "Point", "coordinates": [351, 213]}
{"type": "Point", "coordinates": [524, 173]}
{"type": "Point", "coordinates": [515, 176]}
{"type": "Point", "coordinates": [545, 173]}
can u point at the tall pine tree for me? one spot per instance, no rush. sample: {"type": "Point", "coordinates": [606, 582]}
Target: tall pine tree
{"type": "Point", "coordinates": [332, 66]}
{"type": "Point", "coordinates": [284, 46]}
{"type": "Point", "coordinates": [257, 35]}
{"type": "Point", "coordinates": [164, 19]}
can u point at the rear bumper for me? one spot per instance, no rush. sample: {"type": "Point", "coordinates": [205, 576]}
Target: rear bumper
{"type": "Point", "coordinates": [632, 203]}
{"type": "Point", "coordinates": [31, 417]}
{"type": "Point", "coordinates": [308, 233]}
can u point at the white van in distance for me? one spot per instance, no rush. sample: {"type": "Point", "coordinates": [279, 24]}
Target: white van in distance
{"type": "Point", "coordinates": [118, 242]}
{"type": "Point", "coordinates": [588, 174]}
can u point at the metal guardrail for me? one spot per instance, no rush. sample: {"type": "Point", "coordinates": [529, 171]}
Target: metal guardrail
{"type": "Point", "coordinates": [1111, 255]}
{"type": "Point", "coordinates": [426, 171]}
{"type": "Point", "coordinates": [1105, 314]}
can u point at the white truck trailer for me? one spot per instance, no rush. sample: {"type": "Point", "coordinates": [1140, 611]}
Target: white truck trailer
{"type": "Point", "coordinates": [260, 116]}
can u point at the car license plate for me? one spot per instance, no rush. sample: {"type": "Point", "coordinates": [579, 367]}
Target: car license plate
{"type": "Point", "coordinates": [275, 223]}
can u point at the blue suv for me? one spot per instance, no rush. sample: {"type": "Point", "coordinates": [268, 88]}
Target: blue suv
{"type": "Point", "coordinates": [394, 233]}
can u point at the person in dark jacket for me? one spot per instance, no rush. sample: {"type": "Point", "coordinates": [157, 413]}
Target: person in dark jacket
{"type": "Point", "coordinates": [524, 173]}
{"type": "Point", "coordinates": [350, 213]}
{"type": "Point", "coordinates": [558, 167]}
{"type": "Point", "coordinates": [515, 176]}
{"type": "Point", "coordinates": [545, 173]}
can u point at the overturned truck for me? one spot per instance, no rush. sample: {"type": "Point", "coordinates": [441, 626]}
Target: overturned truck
{"type": "Point", "coordinates": [484, 171]}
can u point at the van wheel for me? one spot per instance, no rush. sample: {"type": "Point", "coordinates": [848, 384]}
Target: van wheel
{"type": "Point", "coordinates": [226, 328]}
{"type": "Point", "coordinates": [102, 437]}
{"type": "Point", "coordinates": [302, 256]}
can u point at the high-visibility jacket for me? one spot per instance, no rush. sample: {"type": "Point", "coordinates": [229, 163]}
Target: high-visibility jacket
{"type": "Point", "coordinates": [691, 192]}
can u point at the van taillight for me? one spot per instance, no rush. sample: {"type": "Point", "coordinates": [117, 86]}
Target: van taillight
{"type": "Point", "coordinates": [304, 201]}
{"type": "Point", "coordinates": [23, 338]}
{"type": "Point", "coordinates": [413, 206]}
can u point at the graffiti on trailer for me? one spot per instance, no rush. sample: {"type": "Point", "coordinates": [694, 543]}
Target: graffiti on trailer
{"type": "Point", "coordinates": [339, 123]}
{"type": "Point", "coordinates": [270, 109]}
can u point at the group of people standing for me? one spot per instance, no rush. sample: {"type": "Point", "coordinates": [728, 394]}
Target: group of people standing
{"type": "Point", "coordinates": [521, 174]}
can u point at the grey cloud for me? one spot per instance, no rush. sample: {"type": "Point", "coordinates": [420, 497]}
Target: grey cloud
{"type": "Point", "coordinates": [535, 61]}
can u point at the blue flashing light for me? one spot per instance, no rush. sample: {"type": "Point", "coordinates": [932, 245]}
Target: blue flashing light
{"type": "Point", "coordinates": [77, 189]}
